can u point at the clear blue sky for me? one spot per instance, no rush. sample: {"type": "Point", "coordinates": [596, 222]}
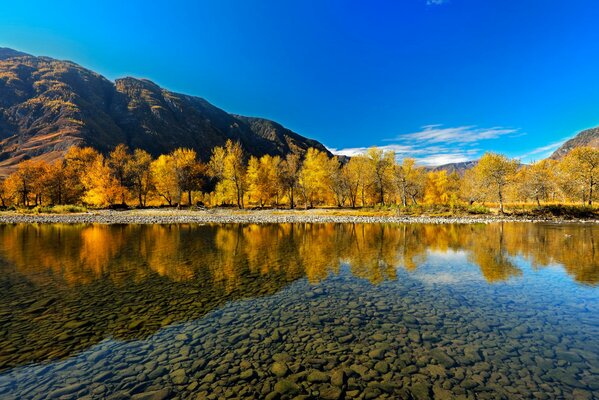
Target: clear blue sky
{"type": "Point", "coordinates": [439, 80]}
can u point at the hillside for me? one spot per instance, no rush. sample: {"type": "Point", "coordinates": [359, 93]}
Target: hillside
{"type": "Point", "coordinates": [48, 105]}
{"type": "Point", "coordinates": [460, 167]}
{"type": "Point", "coordinates": [589, 137]}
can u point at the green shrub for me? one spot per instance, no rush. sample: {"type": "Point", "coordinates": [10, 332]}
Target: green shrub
{"type": "Point", "coordinates": [478, 209]}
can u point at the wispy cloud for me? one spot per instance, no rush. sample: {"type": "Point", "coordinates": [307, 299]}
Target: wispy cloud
{"type": "Point", "coordinates": [541, 152]}
{"type": "Point", "coordinates": [437, 145]}
{"type": "Point", "coordinates": [460, 134]}
{"type": "Point", "coordinates": [436, 2]}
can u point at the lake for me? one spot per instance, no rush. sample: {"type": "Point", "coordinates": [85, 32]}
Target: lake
{"type": "Point", "coordinates": [489, 311]}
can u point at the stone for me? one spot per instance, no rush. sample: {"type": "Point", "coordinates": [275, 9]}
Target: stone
{"type": "Point", "coordinates": [279, 369]}
{"type": "Point", "coordinates": [179, 377]}
{"type": "Point", "coordinates": [442, 358]}
{"type": "Point", "coordinates": [247, 374]}
{"type": "Point", "coordinates": [338, 378]}
{"type": "Point", "coordinates": [285, 386]}
{"type": "Point", "coordinates": [316, 376]}
{"type": "Point", "coordinates": [420, 391]}
{"type": "Point", "coordinates": [161, 394]}
{"type": "Point", "coordinates": [381, 367]}
{"type": "Point", "coordinates": [329, 392]}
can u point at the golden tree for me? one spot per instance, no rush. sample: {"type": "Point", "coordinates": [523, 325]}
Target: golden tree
{"type": "Point", "coordinates": [27, 181]}
{"type": "Point", "coordinates": [264, 178]}
{"type": "Point", "coordinates": [380, 166]}
{"type": "Point", "coordinates": [537, 181]}
{"type": "Point", "coordinates": [581, 167]}
{"type": "Point", "coordinates": [290, 171]}
{"type": "Point", "coordinates": [410, 180]}
{"type": "Point", "coordinates": [437, 188]}
{"type": "Point", "coordinates": [313, 177]}
{"type": "Point", "coordinates": [102, 187]}
{"type": "Point", "coordinates": [189, 173]}
{"type": "Point", "coordinates": [164, 178]}
{"type": "Point", "coordinates": [118, 162]}
{"type": "Point", "coordinates": [356, 174]}
{"type": "Point", "coordinates": [227, 165]}
{"type": "Point", "coordinates": [139, 169]}
{"type": "Point", "coordinates": [494, 172]}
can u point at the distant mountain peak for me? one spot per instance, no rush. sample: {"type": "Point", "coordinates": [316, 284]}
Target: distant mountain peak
{"type": "Point", "coordinates": [6, 53]}
{"type": "Point", "coordinates": [588, 137]}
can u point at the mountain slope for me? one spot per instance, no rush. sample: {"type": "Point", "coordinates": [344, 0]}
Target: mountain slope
{"type": "Point", "coordinates": [460, 167]}
{"type": "Point", "coordinates": [589, 137]}
{"type": "Point", "coordinates": [47, 105]}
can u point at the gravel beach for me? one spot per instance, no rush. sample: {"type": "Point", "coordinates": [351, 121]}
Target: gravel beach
{"type": "Point", "coordinates": [171, 216]}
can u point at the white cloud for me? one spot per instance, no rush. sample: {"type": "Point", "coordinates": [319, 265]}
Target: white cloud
{"type": "Point", "coordinates": [436, 2]}
{"type": "Point", "coordinates": [437, 145]}
{"type": "Point", "coordinates": [460, 134]}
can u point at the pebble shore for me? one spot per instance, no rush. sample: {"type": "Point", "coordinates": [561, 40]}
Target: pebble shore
{"type": "Point", "coordinates": [161, 216]}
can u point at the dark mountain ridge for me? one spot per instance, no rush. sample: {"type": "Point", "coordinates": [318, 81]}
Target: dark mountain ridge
{"type": "Point", "coordinates": [48, 105]}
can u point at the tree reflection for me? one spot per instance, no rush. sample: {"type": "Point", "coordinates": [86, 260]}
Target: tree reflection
{"type": "Point", "coordinates": [127, 281]}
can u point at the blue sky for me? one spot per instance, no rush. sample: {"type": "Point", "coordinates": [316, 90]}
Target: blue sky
{"type": "Point", "coordinates": [439, 80]}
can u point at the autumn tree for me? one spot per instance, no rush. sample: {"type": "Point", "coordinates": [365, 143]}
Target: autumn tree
{"type": "Point", "coordinates": [118, 162]}
{"type": "Point", "coordinates": [338, 181]}
{"type": "Point", "coordinates": [493, 174]}
{"type": "Point", "coordinates": [227, 165]}
{"type": "Point", "coordinates": [264, 178]}
{"type": "Point", "coordinates": [189, 172]}
{"type": "Point", "coordinates": [437, 187]}
{"type": "Point", "coordinates": [290, 172]}
{"type": "Point", "coordinates": [380, 166]}
{"type": "Point", "coordinates": [102, 188]}
{"type": "Point", "coordinates": [356, 175]}
{"type": "Point", "coordinates": [410, 180]}
{"type": "Point", "coordinates": [27, 181]}
{"type": "Point", "coordinates": [139, 169]}
{"type": "Point", "coordinates": [581, 166]}
{"type": "Point", "coordinates": [77, 160]}
{"type": "Point", "coordinates": [58, 182]}
{"type": "Point", "coordinates": [313, 177]}
{"type": "Point", "coordinates": [165, 178]}
{"type": "Point", "coordinates": [4, 194]}
{"type": "Point", "coordinates": [536, 181]}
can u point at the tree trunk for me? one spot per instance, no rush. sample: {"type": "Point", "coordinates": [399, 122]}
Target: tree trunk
{"type": "Point", "coordinates": [500, 202]}
{"type": "Point", "coordinates": [189, 197]}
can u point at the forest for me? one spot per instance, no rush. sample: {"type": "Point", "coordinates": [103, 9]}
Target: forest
{"type": "Point", "coordinates": [230, 178]}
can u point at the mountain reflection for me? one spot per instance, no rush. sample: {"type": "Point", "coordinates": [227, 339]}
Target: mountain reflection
{"type": "Point", "coordinates": [66, 287]}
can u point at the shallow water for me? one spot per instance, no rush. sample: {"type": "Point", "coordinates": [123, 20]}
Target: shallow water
{"type": "Point", "coordinates": [323, 310]}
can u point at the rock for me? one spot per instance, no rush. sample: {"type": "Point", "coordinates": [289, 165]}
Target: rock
{"type": "Point", "coordinates": [136, 324]}
{"type": "Point", "coordinates": [338, 378]}
{"type": "Point", "coordinates": [329, 392]}
{"type": "Point", "coordinates": [381, 367]}
{"type": "Point", "coordinates": [442, 358]}
{"type": "Point", "coordinates": [420, 391]}
{"type": "Point", "coordinates": [161, 394]}
{"type": "Point", "coordinates": [179, 377]}
{"type": "Point", "coordinates": [286, 387]}
{"type": "Point", "coordinates": [377, 354]}
{"type": "Point", "coordinates": [279, 369]}
{"type": "Point", "coordinates": [67, 390]}
{"type": "Point", "coordinates": [247, 375]}
{"type": "Point", "coordinates": [317, 377]}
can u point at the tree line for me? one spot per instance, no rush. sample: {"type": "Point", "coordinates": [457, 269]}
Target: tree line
{"type": "Point", "coordinates": [230, 177]}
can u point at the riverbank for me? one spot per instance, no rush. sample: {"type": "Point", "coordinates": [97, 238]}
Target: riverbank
{"type": "Point", "coordinates": [226, 215]}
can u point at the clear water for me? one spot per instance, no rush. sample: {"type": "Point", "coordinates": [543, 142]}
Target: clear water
{"type": "Point", "coordinates": [279, 311]}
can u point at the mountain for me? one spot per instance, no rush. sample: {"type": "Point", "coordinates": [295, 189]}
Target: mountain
{"type": "Point", "coordinates": [589, 137]}
{"type": "Point", "coordinates": [48, 105]}
{"type": "Point", "coordinates": [460, 167]}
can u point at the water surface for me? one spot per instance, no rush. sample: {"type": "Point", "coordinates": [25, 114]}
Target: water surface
{"type": "Point", "coordinates": [322, 310]}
